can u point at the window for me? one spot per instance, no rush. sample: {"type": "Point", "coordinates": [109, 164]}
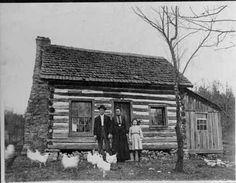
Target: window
{"type": "Point", "coordinates": [201, 121]}
{"type": "Point", "coordinates": [81, 117]}
{"type": "Point", "coordinates": [201, 124]}
{"type": "Point", "coordinates": [157, 116]}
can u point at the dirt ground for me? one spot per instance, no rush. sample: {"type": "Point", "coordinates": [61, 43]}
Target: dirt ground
{"type": "Point", "coordinates": [154, 169]}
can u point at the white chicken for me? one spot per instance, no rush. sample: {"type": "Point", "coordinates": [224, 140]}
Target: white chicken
{"type": "Point", "coordinates": [93, 158]}
{"type": "Point", "coordinates": [42, 158]}
{"type": "Point", "coordinates": [112, 158]}
{"type": "Point", "coordinates": [37, 157]}
{"type": "Point", "coordinates": [69, 162]}
{"type": "Point", "coordinates": [89, 157]}
{"type": "Point", "coordinates": [103, 165]}
{"type": "Point", "coordinates": [33, 156]}
{"type": "Point", "coordinates": [9, 151]}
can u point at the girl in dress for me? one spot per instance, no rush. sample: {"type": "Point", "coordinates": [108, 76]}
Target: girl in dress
{"type": "Point", "coordinates": [135, 138]}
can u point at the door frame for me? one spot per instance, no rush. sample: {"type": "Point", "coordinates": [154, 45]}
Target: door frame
{"type": "Point", "coordinates": [125, 101]}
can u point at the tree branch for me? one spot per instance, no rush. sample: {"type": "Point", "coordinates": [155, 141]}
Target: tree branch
{"type": "Point", "coordinates": [176, 25]}
{"type": "Point", "coordinates": [181, 39]}
{"type": "Point", "coordinates": [206, 13]}
{"type": "Point", "coordinates": [199, 46]}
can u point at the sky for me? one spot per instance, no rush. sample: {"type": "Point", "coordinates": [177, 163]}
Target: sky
{"type": "Point", "coordinates": [99, 26]}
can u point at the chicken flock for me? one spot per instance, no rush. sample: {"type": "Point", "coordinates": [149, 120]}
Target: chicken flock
{"type": "Point", "coordinates": [67, 160]}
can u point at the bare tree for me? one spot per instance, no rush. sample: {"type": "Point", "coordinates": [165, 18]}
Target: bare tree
{"type": "Point", "coordinates": [176, 28]}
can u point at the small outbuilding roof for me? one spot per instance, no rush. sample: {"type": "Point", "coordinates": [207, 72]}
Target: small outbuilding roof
{"type": "Point", "coordinates": [67, 63]}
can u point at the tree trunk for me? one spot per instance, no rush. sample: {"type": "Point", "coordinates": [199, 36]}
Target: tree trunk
{"type": "Point", "coordinates": [178, 128]}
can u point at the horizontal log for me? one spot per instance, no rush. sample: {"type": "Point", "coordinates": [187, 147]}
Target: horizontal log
{"type": "Point", "coordinates": [171, 117]}
{"type": "Point", "coordinates": [159, 146]}
{"type": "Point", "coordinates": [60, 135]}
{"type": "Point", "coordinates": [154, 102]}
{"type": "Point", "coordinates": [72, 140]}
{"type": "Point", "coordinates": [144, 126]}
{"type": "Point", "coordinates": [60, 113]}
{"type": "Point", "coordinates": [62, 120]}
{"type": "Point", "coordinates": [58, 108]}
{"type": "Point", "coordinates": [61, 117]}
{"type": "Point", "coordinates": [65, 130]}
{"type": "Point", "coordinates": [145, 121]}
{"type": "Point", "coordinates": [89, 139]}
{"type": "Point", "coordinates": [78, 146]}
{"type": "Point", "coordinates": [61, 124]}
{"type": "Point", "coordinates": [61, 105]}
{"type": "Point", "coordinates": [90, 146]}
{"type": "Point", "coordinates": [166, 93]}
{"type": "Point", "coordinates": [61, 128]}
{"type": "Point", "coordinates": [171, 124]}
{"type": "Point", "coordinates": [61, 110]}
{"type": "Point", "coordinates": [171, 109]}
{"type": "Point", "coordinates": [171, 113]}
{"type": "Point", "coordinates": [166, 90]}
{"type": "Point", "coordinates": [159, 134]}
{"type": "Point", "coordinates": [171, 127]}
{"type": "Point", "coordinates": [157, 140]}
{"type": "Point", "coordinates": [142, 117]}
{"type": "Point", "coordinates": [171, 121]}
{"type": "Point", "coordinates": [168, 104]}
{"type": "Point", "coordinates": [89, 98]}
{"type": "Point", "coordinates": [114, 95]}
{"type": "Point", "coordinates": [140, 113]}
{"type": "Point", "coordinates": [140, 106]}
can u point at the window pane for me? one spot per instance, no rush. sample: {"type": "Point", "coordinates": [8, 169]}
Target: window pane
{"type": "Point", "coordinates": [80, 128]}
{"type": "Point", "coordinates": [84, 109]}
{"type": "Point", "coordinates": [74, 112]}
{"type": "Point", "coordinates": [88, 124]}
{"type": "Point", "coordinates": [75, 122]}
{"type": "Point", "coordinates": [157, 116]}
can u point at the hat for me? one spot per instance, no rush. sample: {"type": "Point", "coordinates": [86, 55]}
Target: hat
{"type": "Point", "coordinates": [102, 106]}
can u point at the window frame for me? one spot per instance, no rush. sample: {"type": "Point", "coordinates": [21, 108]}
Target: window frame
{"type": "Point", "coordinates": [165, 117]}
{"type": "Point", "coordinates": [77, 134]}
{"type": "Point", "coordinates": [201, 119]}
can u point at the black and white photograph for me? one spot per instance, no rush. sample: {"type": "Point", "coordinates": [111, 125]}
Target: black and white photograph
{"type": "Point", "coordinates": [118, 91]}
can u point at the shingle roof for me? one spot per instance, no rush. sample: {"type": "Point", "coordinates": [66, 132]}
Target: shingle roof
{"type": "Point", "coordinates": [67, 63]}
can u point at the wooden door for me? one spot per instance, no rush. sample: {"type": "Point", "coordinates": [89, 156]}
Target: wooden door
{"type": "Point", "coordinates": [125, 110]}
{"type": "Point", "coordinates": [204, 134]}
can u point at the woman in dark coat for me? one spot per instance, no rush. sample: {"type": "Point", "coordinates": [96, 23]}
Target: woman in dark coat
{"type": "Point", "coordinates": [120, 130]}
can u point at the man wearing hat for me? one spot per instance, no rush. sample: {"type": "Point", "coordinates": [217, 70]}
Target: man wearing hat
{"type": "Point", "coordinates": [102, 130]}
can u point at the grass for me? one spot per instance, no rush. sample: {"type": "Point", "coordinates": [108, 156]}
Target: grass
{"type": "Point", "coordinates": [155, 169]}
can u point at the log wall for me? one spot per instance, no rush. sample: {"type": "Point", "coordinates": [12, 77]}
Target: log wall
{"type": "Point", "coordinates": [162, 138]}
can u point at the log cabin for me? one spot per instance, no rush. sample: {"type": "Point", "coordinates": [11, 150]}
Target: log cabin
{"type": "Point", "coordinates": [70, 83]}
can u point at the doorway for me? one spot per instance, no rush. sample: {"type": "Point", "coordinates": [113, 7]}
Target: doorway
{"type": "Point", "coordinates": [125, 110]}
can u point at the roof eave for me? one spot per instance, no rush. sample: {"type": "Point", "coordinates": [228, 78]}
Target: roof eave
{"type": "Point", "coordinates": [69, 78]}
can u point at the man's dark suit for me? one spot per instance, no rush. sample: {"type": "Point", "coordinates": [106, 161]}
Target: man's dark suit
{"type": "Point", "coordinates": [102, 135]}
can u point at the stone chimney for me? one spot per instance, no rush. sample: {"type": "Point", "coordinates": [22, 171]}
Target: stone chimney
{"type": "Point", "coordinates": [36, 117]}
{"type": "Point", "coordinates": [41, 42]}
